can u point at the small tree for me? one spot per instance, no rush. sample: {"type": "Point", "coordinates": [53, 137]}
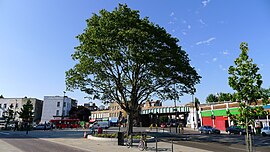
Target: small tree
{"type": "Point", "coordinates": [1, 96]}
{"type": "Point", "coordinates": [211, 98]}
{"type": "Point", "coordinates": [244, 78]}
{"type": "Point", "coordinates": [8, 115]}
{"type": "Point", "coordinates": [27, 113]}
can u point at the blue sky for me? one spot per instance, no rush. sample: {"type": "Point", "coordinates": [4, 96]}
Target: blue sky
{"type": "Point", "coordinates": [38, 37]}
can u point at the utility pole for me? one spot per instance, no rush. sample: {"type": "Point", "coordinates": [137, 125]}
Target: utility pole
{"type": "Point", "coordinates": [63, 108]}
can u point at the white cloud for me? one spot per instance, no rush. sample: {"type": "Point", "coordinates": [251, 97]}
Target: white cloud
{"type": "Point", "coordinates": [207, 62]}
{"type": "Point", "coordinates": [202, 22]}
{"type": "Point", "coordinates": [184, 33]}
{"type": "Point", "coordinates": [171, 22]}
{"type": "Point", "coordinates": [208, 41]}
{"type": "Point", "coordinates": [205, 2]}
{"type": "Point", "coordinates": [184, 21]}
{"type": "Point", "coordinates": [173, 30]}
{"type": "Point", "coordinates": [172, 14]}
{"type": "Point", "coordinates": [189, 27]}
{"type": "Point", "coordinates": [226, 52]}
{"type": "Point", "coordinates": [214, 59]}
{"type": "Point", "coordinates": [222, 68]}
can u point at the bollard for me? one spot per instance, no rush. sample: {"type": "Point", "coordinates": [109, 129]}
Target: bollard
{"type": "Point", "coordinates": [172, 145]}
{"type": "Point", "coordinates": [156, 144]}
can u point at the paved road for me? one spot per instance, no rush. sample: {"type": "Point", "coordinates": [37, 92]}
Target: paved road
{"type": "Point", "coordinates": [25, 143]}
{"type": "Point", "coordinates": [191, 138]}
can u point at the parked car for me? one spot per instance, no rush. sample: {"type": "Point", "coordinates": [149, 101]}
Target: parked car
{"type": "Point", "coordinates": [235, 130]}
{"type": "Point", "coordinates": [265, 131]}
{"type": "Point", "coordinates": [102, 124]}
{"type": "Point", "coordinates": [208, 130]}
{"type": "Point", "coordinates": [42, 127]}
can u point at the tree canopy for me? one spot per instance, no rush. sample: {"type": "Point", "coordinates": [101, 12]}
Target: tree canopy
{"type": "Point", "coordinates": [27, 112]}
{"type": "Point", "coordinates": [124, 58]}
{"type": "Point", "coordinates": [211, 98]}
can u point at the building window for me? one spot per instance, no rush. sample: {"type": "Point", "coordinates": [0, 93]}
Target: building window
{"type": "Point", "coordinates": [63, 112]}
{"type": "Point", "coordinates": [57, 112]}
{"type": "Point", "coordinates": [5, 105]}
{"type": "Point", "coordinates": [64, 104]}
{"type": "Point", "coordinates": [58, 104]}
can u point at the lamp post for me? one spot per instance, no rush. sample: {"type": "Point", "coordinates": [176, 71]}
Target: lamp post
{"type": "Point", "coordinates": [63, 108]}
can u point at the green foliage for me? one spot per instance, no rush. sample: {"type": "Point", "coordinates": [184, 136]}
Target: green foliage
{"type": "Point", "coordinates": [211, 98]}
{"type": "Point", "coordinates": [266, 92]}
{"type": "Point", "coordinates": [244, 78]}
{"type": "Point", "coordinates": [80, 112]}
{"type": "Point", "coordinates": [220, 97]}
{"type": "Point", "coordinates": [197, 100]}
{"type": "Point", "coordinates": [8, 115]}
{"type": "Point", "coordinates": [27, 112]}
{"type": "Point", "coordinates": [163, 119]}
{"type": "Point", "coordinates": [124, 58]}
{"type": "Point", "coordinates": [224, 96]}
{"type": "Point", "coordinates": [246, 111]}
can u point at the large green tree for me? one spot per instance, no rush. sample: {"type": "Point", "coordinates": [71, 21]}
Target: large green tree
{"type": "Point", "coordinates": [246, 81]}
{"type": "Point", "coordinates": [124, 58]}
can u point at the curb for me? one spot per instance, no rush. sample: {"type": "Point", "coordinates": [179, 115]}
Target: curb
{"type": "Point", "coordinates": [100, 138]}
{"type": "Point", "coordinates": [152, 139]}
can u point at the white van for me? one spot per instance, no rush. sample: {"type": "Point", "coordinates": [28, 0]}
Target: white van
{"type": "Point", "coordinates": [102, 124]}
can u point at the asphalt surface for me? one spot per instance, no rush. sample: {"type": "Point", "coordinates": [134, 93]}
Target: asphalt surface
{"type": "Point", "coordinates": [217, 143]}
{"type": "Point", "coordinates": [28, 143]}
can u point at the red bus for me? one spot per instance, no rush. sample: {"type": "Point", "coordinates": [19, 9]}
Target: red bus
{"type": "Point", "coordinates": [65, 123]}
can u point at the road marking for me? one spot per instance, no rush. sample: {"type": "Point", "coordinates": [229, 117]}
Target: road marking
{"type": "Point", "coordinates": [4, 133]}
{"type": "Point", "coordinates": [237, 148]}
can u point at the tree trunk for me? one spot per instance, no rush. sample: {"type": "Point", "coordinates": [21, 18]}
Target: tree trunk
{"type": "Point", "coordinates": [130, 117]}
{"type": "Point", "coordinates": [248, 138]}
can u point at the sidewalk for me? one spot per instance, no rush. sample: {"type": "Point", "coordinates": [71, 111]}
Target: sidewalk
{"type": "Point", "coordinates": [5, 147]}
{"type": "Point", "coordinates": [112, 146]}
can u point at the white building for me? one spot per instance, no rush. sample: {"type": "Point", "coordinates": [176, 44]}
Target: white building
{"type": "Point", "coordinates": [56, 107]}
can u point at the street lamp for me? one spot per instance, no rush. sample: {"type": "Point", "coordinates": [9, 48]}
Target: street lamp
{"type": "Point", "coordinates": [63, 108]}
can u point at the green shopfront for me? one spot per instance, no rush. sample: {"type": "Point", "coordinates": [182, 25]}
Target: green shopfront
{"type": "Point", "coordinates": [217, 118]}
